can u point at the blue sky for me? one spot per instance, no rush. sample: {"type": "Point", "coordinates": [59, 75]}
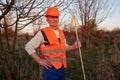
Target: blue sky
{"type": "Point", "coordinates": [113, 19]}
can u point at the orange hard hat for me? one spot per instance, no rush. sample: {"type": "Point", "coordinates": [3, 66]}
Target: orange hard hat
{"type": "Point", "coordinates": [52, 11]}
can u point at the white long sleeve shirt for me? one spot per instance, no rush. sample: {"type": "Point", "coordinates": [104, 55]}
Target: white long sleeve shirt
{"type": "Point", "coordinates": [38, 40]}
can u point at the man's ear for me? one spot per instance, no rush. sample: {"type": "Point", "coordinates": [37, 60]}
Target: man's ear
{"type": "Point", "coordinates": [47, 19]}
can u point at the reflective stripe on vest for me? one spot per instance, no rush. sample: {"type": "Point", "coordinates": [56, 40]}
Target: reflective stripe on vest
{"type": "Point", "coordinates": [56, 59]}
{"type": "Point", "coordinates": [54, 52]}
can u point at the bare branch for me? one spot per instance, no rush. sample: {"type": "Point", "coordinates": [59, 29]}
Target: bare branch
{"type": "Point", "coordinates": [8, 8]}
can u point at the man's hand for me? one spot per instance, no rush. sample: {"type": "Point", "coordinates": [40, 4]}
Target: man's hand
{"type": "Point", "coordinates": [41, 61]}
{"type": "Point", "coordinates": [77, 44]}
{"type": "Point", "coordinates": [44, 63]}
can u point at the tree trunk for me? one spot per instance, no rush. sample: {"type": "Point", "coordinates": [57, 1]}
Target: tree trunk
{"type": "Point", "coordinates": [3, 59]}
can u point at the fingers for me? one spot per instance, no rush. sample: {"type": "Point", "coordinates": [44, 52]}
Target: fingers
{"type": "Point", "coordinates": [77, 44]}
{"type": "Point", "coordinates": [45, 63]}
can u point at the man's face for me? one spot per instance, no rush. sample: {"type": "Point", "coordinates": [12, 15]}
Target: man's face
{"type": "Point", "coordinates": [53, 21]}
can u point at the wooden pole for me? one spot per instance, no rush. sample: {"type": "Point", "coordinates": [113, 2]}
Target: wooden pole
{"type": "Point", "coordinates": [80, 56]}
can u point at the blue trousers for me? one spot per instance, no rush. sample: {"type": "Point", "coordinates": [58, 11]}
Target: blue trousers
{"type": "Point", "coordinates": [53, 74]}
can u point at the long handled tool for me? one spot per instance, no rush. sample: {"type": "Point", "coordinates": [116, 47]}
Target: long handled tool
{"type": "Point", "coordinates": [80, 57]}
{"type": "Point", "coordinates": [75, 23]}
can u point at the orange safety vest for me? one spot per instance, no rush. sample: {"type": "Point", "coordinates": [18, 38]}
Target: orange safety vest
{"type": "Point", "coordinates": [54, 52]}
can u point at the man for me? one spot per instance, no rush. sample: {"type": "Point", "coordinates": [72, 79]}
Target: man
{"type": "Point", "coordinates": [52, 45]}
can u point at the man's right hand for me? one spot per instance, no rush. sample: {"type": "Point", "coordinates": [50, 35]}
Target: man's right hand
{"type": "Point", "coordinates": [45, 63]}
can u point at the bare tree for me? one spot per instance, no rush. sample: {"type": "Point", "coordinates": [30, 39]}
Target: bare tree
{"type": "Point", "coordinates": [91, 13]}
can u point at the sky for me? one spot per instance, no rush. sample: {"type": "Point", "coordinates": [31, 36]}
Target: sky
{"type": "Point", "coordinates": [111, 22]}
{"type": "Point", "coordinates": [113, 19]}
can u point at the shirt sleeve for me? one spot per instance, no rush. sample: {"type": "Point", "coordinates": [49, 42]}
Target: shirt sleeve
{"type": "Point", "coordinates": [34, 43]}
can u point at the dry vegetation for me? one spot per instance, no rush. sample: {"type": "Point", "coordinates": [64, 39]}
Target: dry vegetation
{"type": "Point", "coordinates": [101, 59]}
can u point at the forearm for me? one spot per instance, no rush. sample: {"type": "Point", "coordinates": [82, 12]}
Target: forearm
{"type": "Point", "coordinates": [76, 45]}
{"type": "Point", "coordinates": [36, 57]}
{"type": "Point", "coordinates": [69, 48]}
